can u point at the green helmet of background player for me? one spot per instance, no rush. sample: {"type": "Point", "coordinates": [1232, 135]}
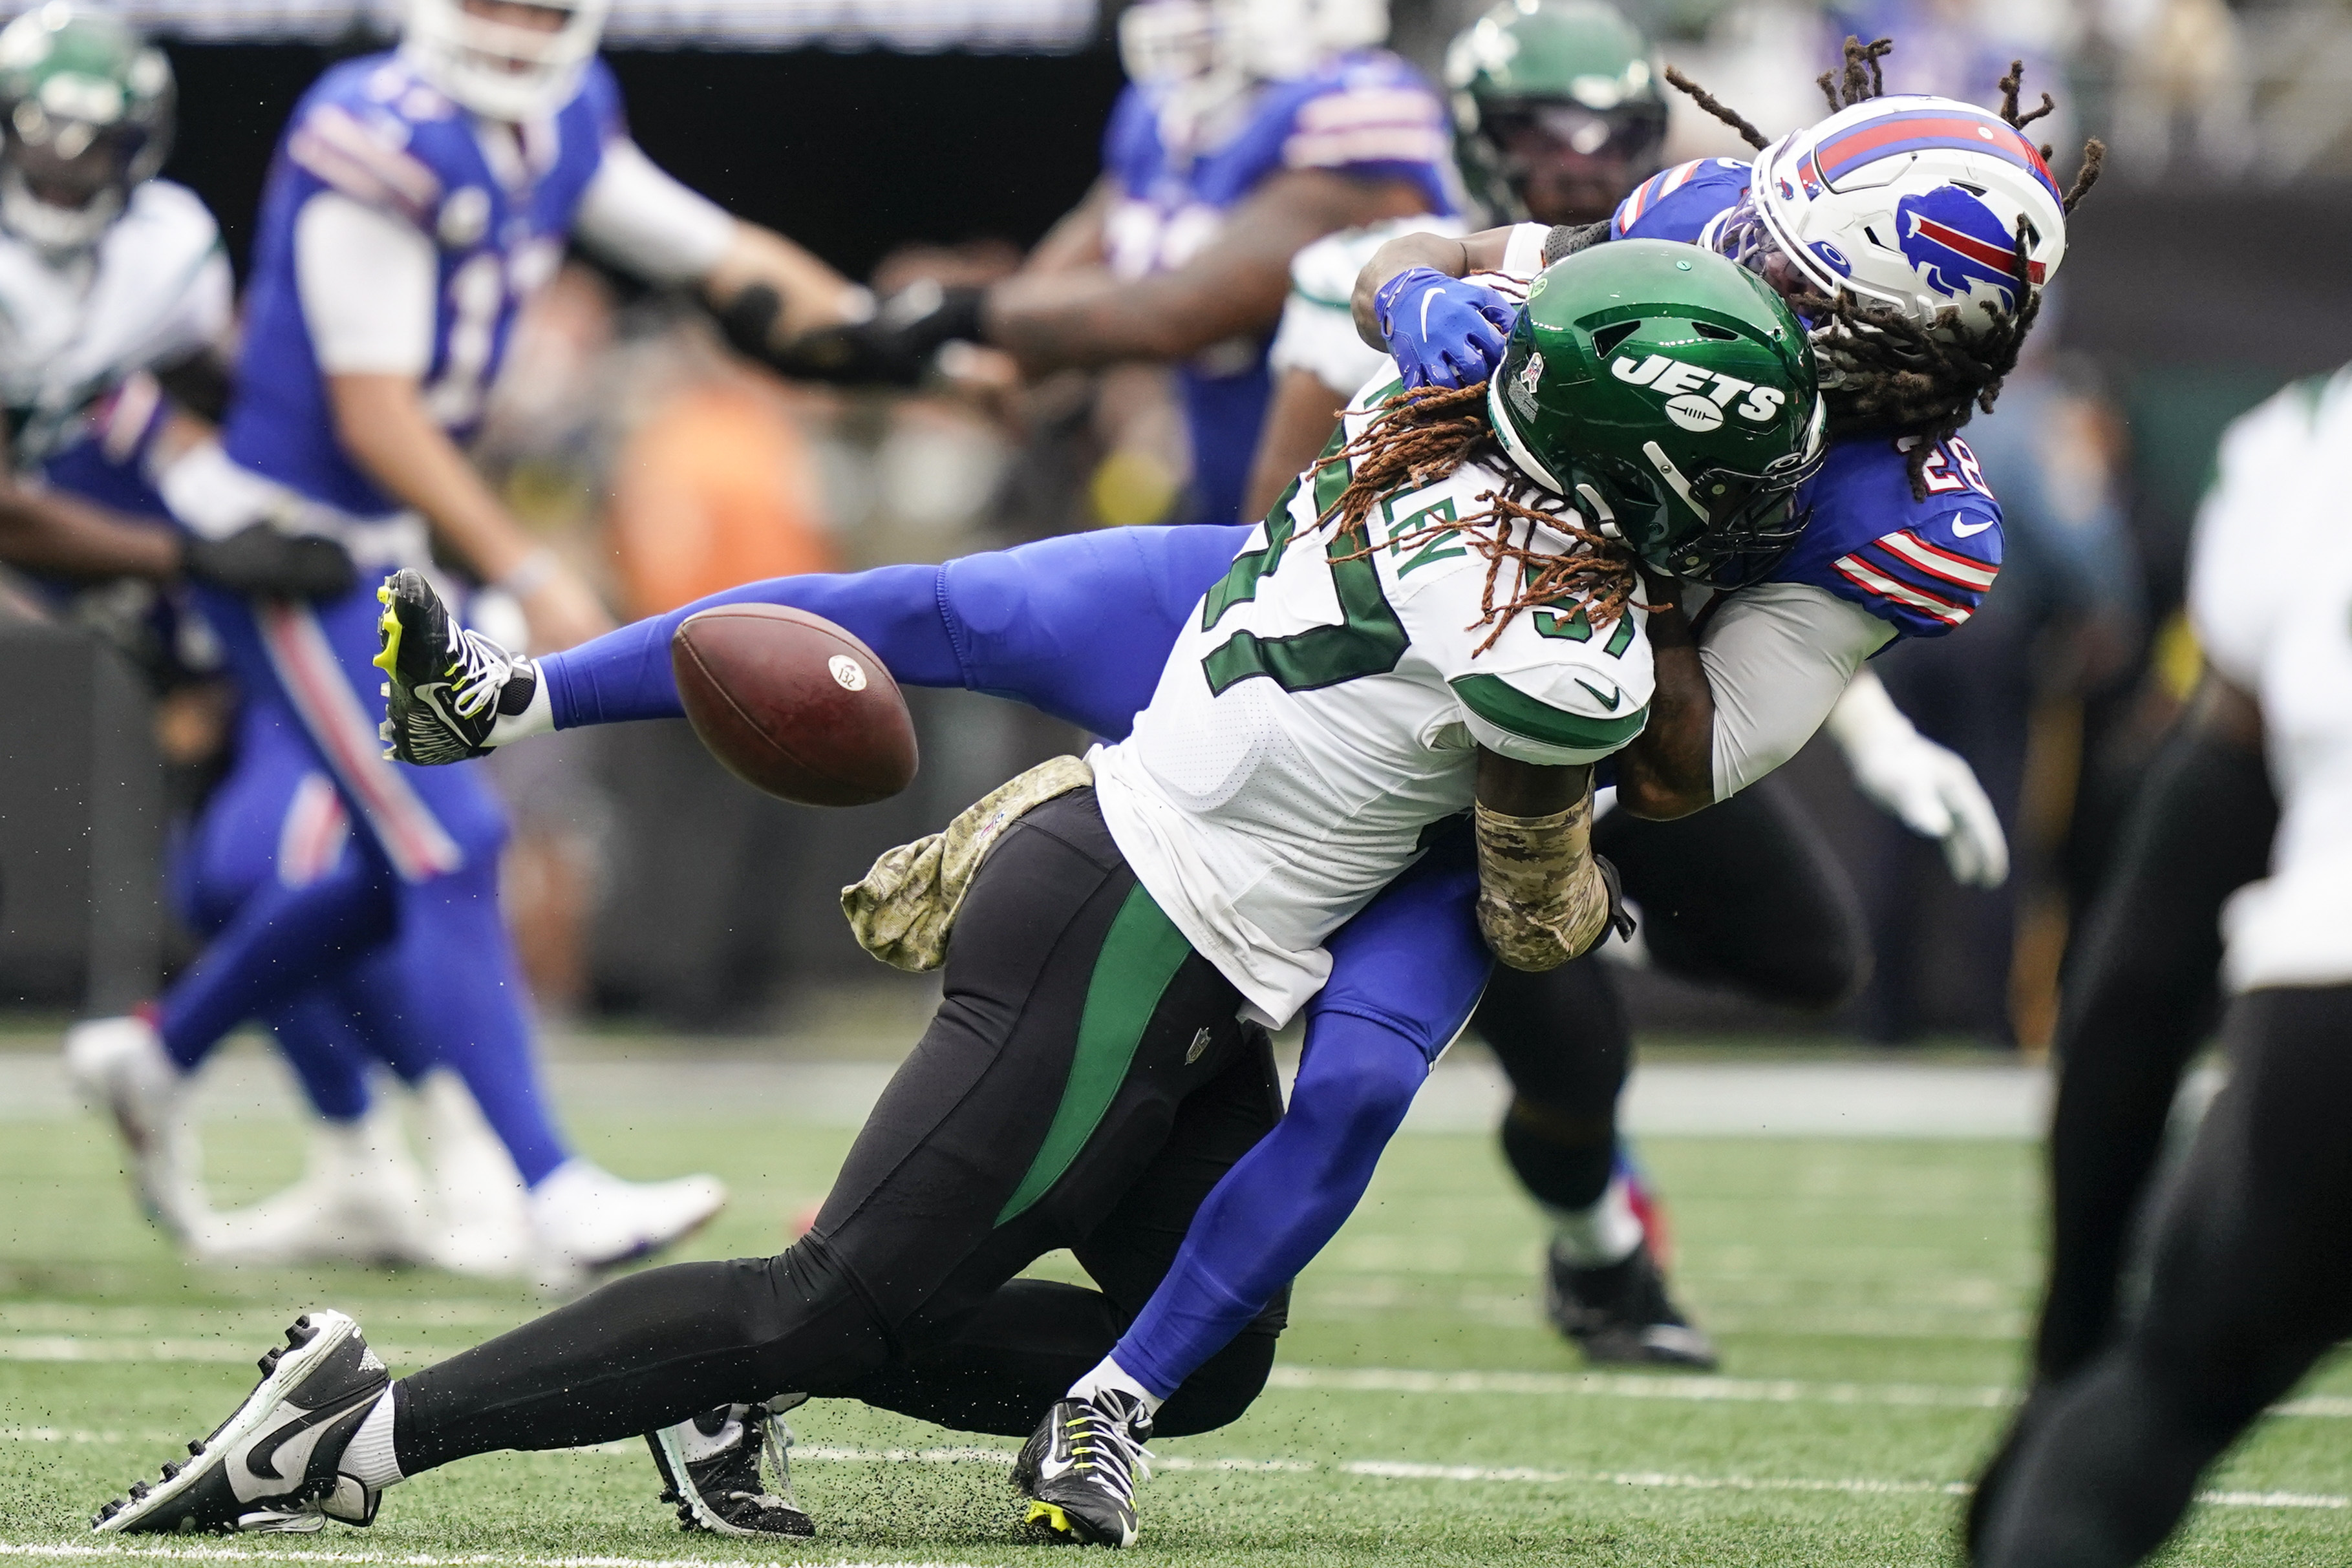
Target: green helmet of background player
{"type": "Point", "coordinates": [1669, 394]}
{"type": "Point", "coordinates": [1557, 113]}
{"type": "Point", "coordinates": [84, 115]}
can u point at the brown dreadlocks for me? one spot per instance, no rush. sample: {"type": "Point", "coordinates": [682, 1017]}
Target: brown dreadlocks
{"type": "Point", "coordinates": [1881, 369]}
{"type": "Point", "coordinates": [1421, 438]}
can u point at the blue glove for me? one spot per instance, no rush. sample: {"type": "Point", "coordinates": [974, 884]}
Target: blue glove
{"type": "Point", "coordinates": [1444, 332]}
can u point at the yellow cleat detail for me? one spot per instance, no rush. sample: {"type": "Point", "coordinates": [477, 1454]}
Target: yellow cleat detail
{"type": "Point", "coordinates": [1050, 1515]}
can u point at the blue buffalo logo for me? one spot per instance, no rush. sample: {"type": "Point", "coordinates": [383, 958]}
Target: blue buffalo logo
{"type": "Point", "coordinates": [1955, 243]}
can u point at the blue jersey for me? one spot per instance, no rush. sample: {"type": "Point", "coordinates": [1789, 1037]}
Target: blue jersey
{"type": "Point", "coordinates": [498, 210]}
{"type": "Point", "coordinates": [1368, 115]}
{"type": "Point", "coordinates": [1922, 566]}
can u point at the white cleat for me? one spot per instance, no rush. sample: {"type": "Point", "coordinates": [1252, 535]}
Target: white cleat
{"type": "Point", "coordinates": [120, 1066]}
{"type": "Point", "coordinates": [478, 1214]}
{"type": "Point", "coordinates": [361, 1200]}
{"type": "Point", "coordinates": [585, 1219]}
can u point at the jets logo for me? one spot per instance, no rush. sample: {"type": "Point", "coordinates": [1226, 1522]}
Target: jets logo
{"type": "Point", "coordinates": [1696, 397]}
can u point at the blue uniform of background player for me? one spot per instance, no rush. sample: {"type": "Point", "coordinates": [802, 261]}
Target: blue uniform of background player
{"type": "Point", "coordinates": [416, 202]}
{"type": "Point", "coordinates": [1367, 116]}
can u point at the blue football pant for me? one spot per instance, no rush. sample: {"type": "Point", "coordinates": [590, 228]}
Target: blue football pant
{"type": "Point", "coordinates": [396, 938]}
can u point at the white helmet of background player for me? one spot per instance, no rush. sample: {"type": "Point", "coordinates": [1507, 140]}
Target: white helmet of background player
{"type": "Point", "coordinates": [1907, 202]}
{"type": "Point", "coordinates": [490, 57]}
{"type": "Point", "coordinates": [86, 110]}
{"type": "Point", "coordinates": [1171, 41]}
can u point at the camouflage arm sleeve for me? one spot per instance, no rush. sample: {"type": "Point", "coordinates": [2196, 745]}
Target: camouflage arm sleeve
{"type": "Point", "coordinates": [1542, 899]}
{"type": "Point", "coordinates": [904, 910]}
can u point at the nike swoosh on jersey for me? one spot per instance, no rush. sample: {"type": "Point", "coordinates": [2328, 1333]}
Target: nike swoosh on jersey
{"type": "Point", "coordinates": [1607, 700]}
{"type": "Point", "coordinates": [1961, 530]}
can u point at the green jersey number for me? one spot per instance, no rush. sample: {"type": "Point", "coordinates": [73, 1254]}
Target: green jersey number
{"type": "Point", "coordinates": [1368, 640]}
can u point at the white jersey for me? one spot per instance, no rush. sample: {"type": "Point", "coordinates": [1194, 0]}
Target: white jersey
{"type": "Point", "coordinates": [1323, 708]}
{"type": "Point", "coordinates": [154, 289]}
{"type": "Point", "coordinates": [1317, 334]}
{"type": "Point", "coordinates": [2270, 594]}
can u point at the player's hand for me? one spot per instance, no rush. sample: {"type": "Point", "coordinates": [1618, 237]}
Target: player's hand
{"type": "Point", "coordinates": [1443, 331]}
{"type": "Point", "coordinates": [1934, 792]}
{"type": "Point", "coordinates": [564, 613]}
{"type": "Point", "coordinates": [895, 347]}
{"type": "Point", "coordinates": [260, 560]}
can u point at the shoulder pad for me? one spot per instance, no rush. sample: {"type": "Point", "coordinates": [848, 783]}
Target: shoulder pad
{"type": "Point", "coordinates": [1677, 204]}
{"type": "Point", "coordinates": [1371, 113]}
{"type": "Point", "coordinates": [1922, 566]}
{"type": "Point", "coordinates": [364, 131]}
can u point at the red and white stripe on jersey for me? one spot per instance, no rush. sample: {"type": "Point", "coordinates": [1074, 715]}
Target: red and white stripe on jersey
{"type": "Point", "coordinates": [413, 839]}
{"type": "Point", "coordinates": [1957, 570]}
{"type": "Point", "coordinates": [333, 145]}
{"type": "Point", "coordinates": [1368, 125]}
{"type": "Point", "coordinates": [1954, 583]}
{"type": "Point", "coordinates": [1652, 190]}
{"type": "Point", "coordinates": [311, 837]}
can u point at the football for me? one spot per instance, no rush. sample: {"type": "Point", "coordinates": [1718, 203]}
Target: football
{"type": "Point", "coordinates": [793, 705]}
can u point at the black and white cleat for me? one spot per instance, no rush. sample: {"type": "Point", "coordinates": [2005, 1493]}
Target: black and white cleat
{"type": "Point", "coordinates": [272, 1465]}
{"type": "Point", "coordinates": [710, 1468]}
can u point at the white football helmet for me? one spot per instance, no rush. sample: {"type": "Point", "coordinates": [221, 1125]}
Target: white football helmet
{"type": "Point", "coordinates": [1164, 41]}
{"type": "Point", "coordinates": [1907, 202]}
{"type": "Point", "coordinates": [503, 70]}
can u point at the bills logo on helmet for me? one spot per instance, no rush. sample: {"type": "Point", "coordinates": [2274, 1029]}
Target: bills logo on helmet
{"type": "Point", "coordinates": [1956, 244]}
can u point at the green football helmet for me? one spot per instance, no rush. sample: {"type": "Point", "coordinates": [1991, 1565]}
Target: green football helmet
{"type": "Point", "coordinates": [86, 107]}
{"type": "Point", "coordinates": [1557, 113]}
{"type": "Point", "coordinates": [1669, 395]}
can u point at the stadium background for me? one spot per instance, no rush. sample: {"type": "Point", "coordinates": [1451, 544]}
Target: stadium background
{"type": "Point", "coordinates": [916, 137]}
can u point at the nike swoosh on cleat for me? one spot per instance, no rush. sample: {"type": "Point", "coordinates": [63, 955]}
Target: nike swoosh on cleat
{"type": "Point", "coordinates": [1607, 700]}
{"type": "Point", "coordinates": [258, 1461]}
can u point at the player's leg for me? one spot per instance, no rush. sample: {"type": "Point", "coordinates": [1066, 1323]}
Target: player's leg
{"type": "Point", "coordinates": [1746, 894]}
{"type": "Point", "coordinates": [2252, 1284]}
{"type": "Point", "coordinates": [1077, 627]}
{"type": "Point", "coordinates": [1016, 1126]}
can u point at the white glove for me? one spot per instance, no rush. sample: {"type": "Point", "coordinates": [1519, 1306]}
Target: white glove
{"type": "Point", "coordinates": [1929, 789]}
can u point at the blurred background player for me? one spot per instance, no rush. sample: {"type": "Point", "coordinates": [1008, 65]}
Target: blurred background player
{"type": "Point", "coordinates": [1560, 119]}
{"type": "Point", "coordinates": [2248, 1284]}
{"type": "Point", "coordinates": [1249, 128]}
{"type": "Point", "coordinates": [417, 198]}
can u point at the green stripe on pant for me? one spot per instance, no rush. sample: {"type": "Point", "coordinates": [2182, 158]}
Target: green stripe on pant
{"type": "Point", "coordinates": [1141, 955]}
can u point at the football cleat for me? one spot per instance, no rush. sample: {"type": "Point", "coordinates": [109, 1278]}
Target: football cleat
{"type": "Point", "coordinates": [1621, 1314]}
{"type": "Point", "coordinates": [710, 1468]}
{"type": "Point", "coordinates": [272, 1465]}
{"type": "Point", "coordinates": [1080, 1468]}
{"type": "Point", "coordinates": [447, 687]}
{"type": "Point", "coordinates": [120, 1066]}
{"type": "Point", "coordinates": [585, 1219]}
{"type": "Point", "coordinates": [361, 1200]}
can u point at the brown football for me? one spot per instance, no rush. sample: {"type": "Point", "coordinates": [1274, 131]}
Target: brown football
{"type": "Point", "coordinates": [793, 705]}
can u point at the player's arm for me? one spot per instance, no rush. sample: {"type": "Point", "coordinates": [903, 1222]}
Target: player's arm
{"type": "Point", "coordinates": [1234, 284]}
{"type": "Point", "coordinates": [1076, 239]}
{"type": "Point", "coordinates": [1543, 897]}
{"type": "Point", "coordinates": [368, 282]}
{"type": "Point", "coordinates": [1737, 703]}
{"type": "Point", "coordinates": [1480, 252]}
{"type": "Point", "coordinates": [764, 289]}
{"type": "Point", "coordinates": [1300, 420]}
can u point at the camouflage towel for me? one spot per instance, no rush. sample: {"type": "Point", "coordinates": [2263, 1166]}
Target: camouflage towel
{"type": "Point", "coordinates": [904, 908]}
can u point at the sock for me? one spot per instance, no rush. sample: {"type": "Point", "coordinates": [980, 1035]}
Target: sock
{"type": "Point", "coordinates": [1108, 1377]}
{"type": "Point", "coordinates": [1606, 1233]}
{"type": "Point", "coordinates": [369, 1459]}
{"type": "Point", "coordinates": [536, 714]}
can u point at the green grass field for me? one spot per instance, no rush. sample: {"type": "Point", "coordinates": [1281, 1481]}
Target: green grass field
{"type": "Point", "coordinates": [1869, 1296]}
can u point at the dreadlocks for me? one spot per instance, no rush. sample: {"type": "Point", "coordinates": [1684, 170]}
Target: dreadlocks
{"type": "Point", "coordinates": [1419, 438]}
{"type": "Point", "coordinates": [1880, 369]}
